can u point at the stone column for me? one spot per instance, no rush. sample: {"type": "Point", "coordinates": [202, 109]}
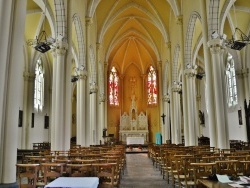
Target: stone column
{"type": "Point", "coordinates": [53, 101]}
{"type": "Point", "coordinates": [60, 97]}
{"type": "Point", "coordinates": [166, 104]}
{"type": "Point", "coordinates": [192, 131]}
{"type": "Point", "coordinates": [245, 73]}
{"type": "Point", "coordinates": [88, 136]}
{"type": "Point", "coordinates": [105, 91]}
{"type": "Point", "coordinates": [216, 49]}
{"type": "Point", "coordinates": [179, 22]}
{"type": "Point", "coordinates": [162, 128]}
{"type": "Point", "coordinates": [175, 126]}
{"type": "Point", "coordinates": [102, 116]}
{"type": "Point", "coordinates": [93, 131]}
{"type": "Point", "coordinates": [68, 85]}
{"type": "Point", "coordinates": [81, 127]}
{"type": "Point", "coordinates": [178, 116]}
{"type": "Point", "coordinates": [28, 77]}
{"type": "Point", "coordinates": [241, 76]}
{"type": "Point", "coordinates": [12, 20]}
{"type": "Point", "coordinates": [144, 78]}
{"type": "Point", "coordinates": [186, 110]}
{"type": "Point", "coordinates": [121, 92]}
{"type": "Point", "coordinates": [209, 78]}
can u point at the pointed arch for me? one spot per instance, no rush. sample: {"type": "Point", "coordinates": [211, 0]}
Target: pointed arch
{"type": "Point", "coordinates": [189, 37]}
{"type": "Point", "coordinates": [175, 64]}
{"type": "Point", "coordinates": [80, 40]}
{"type": "Point", "coordinates": [60, 14]}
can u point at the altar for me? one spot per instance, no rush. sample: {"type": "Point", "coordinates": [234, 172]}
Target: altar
{"type": "Point", "coordinates": [135, 140]}
{"type": "Point", "coordinates": [133, 125]}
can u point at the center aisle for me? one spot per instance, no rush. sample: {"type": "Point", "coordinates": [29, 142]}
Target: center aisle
{"type": "Point", "coordinates": [140, 173]}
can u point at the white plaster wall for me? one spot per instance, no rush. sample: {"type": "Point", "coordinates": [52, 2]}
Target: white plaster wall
{"type": "Point", "coordinates": [236, 131]}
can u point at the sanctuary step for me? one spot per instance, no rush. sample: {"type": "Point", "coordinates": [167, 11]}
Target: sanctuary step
{"type": "Point", "coordinates": [137, 148]}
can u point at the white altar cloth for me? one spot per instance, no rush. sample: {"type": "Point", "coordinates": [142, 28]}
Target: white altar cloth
{"type": "Point", "coordinates": [135, 140]}
{"type": "Point", "coordinates": [74, 182]}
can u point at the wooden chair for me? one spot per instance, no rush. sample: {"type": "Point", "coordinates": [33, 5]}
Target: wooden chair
{"type": "Point", "coordinates": [106, 172]}
{"type": "Point", "coordinates": [203, 170]}
{"type": "Point", "coordinates": [227, 167]}
{"type": "Point", "coordinates": [79, 170]}
{"type": "Point", "coordinates": [52, 171]}
{"type": "Point", "coordinates": [244, 168]}
{"type": "Point", "coordinates": [27, 175]}
{"type": "Point", "coordinates": [188, 172]}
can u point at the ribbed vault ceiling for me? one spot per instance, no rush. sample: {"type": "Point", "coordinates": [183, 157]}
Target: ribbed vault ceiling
{"type": "Point", "coordinates": [133, 32]}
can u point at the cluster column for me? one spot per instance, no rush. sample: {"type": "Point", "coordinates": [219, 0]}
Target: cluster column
{"type": "Point", "coordinates": [102, 126]}
{"type": "Point", "coordinates": [12, 21]}
{"type": "Point", "coordinates": [93, 130]}
{"type": "Point", "coordinates": [217, 51]}
{"type": "Point", "coordinates": [81, 126]}
{"type": "Point", "coordinates": [176, 125]}
{"type": "Point", "coordinates": [192, 130]}
{"type": "Point", "coordinates": [166, 127]}
{"type": "Point", "coordinates": [28, 82]}
{"type": "Point", "coordinates": [59, 111]}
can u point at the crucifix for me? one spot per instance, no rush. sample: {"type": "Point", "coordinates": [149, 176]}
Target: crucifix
{"type": "Point", "coordinates": [163, 118]}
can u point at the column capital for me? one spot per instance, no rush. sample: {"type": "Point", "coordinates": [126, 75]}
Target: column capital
{"type": "Point", "coordinates": [198, 98]}
{"type": "Point", "coordinates": [53, 52]}
{"type": "Point", "coordinates": [245, 72]}
{"type": "Point", "coordinates": [102, 97]}
{"type": "Point", "coordinates": [168, 44]}
{"type": "Point", "coordinates": [88, 21]}
{"type": "Point", "coordinates": [93, 88]}
{"type": "Point", "coordinates": [98, 46]}
{"type": "Point", "coordinates": [61, 47]}
{"type": "Point", "coordinates": [143, 76]}
{"type": "Point", "coordinates": [166, 98]}
{"type": "Point", "coordinates": [28, 76]}
{"type": "Point", "coordinates": [160, 64]}
{"type": "Point", "coordinates": [179, 20]}
{"type": "Point", "coordinates": [190, 72]}
{"type": "Point", "coordinates": [215, 45]}
{"type": "Point", "coordinates": [242, 73]}
{"type": "Point", "coordinates": [176, 88]}
{"type": "Point", "coordinates": [83, 74]}
{"type": "Point", "coordinates": [121, 76]}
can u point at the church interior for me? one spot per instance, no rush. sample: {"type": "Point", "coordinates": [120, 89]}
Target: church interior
{"type": "Point", "coordinates": [122, 72]}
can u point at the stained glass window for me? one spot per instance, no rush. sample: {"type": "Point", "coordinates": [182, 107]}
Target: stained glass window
{"type": "Point", "coordinates": [113, 87]}
{"type": "Point", "coordinates": [152, 86]}
{"type": "Point", "coordinates": [231, 82]}
{"type": "Point", "coordinates": [39, 85]}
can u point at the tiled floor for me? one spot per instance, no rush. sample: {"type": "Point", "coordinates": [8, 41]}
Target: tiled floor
{"type": "Point", "coordinates": [140, 173]}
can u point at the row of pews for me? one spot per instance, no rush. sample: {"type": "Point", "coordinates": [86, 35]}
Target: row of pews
{"type": "Point", "coordinates": [190, 165]}
{"type": "Point", "coordinates": [105, 162]}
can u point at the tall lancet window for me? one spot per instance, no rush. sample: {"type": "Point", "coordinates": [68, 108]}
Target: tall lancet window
{"type": "Point", "coordinates": [39, 85]}
{"type": "Point", "coordinates": [152, 86]}
{"type": "Point", "coordinates": [231, 82]}
{"type": "Point", "coordinates": [113, 87]}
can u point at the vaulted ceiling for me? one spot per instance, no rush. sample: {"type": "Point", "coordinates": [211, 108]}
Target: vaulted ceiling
{"type": "Point", "coordinates": [133, 31]}
{"type": "Point", "coordinates": [130, 31]}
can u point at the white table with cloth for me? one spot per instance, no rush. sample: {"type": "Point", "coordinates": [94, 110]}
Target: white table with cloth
{"type": "Point", "coordinates": [135, 140]}
{"type": "Point", "coordinates": [74, 182]}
